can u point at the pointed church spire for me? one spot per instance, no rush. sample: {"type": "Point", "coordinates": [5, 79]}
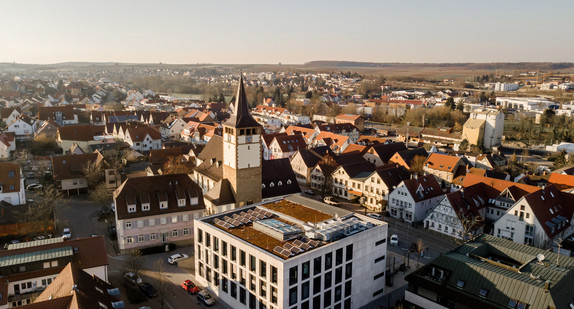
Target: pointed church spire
{"type": "Point", "coordinates": [241, 117]}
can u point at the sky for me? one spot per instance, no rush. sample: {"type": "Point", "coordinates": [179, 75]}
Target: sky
{"type": "Point", "coordinates": [290, 32]}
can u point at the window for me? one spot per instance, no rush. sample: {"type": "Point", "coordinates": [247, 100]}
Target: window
{"type": "Point", "coordinates": [173, 219]}
{"type": "Point", "coordinates": [316, 285]}
{"type": "Point", "coordinates": [339, 256]}
{"type": "Point", "coordinates": [380, 258]}
{"type": "Point", "coordinates": [328, 260]}
{"type": "Point", "coordinates": [145, 207]}
{"type": "Point", "coordinates": [483, 292]}
{"type": "Point", "coordinates": [328, 280]}
{"type": "Point", "coordinates": [460, 284]}
{"type": "Point", "coordinates": [327, 298]}
{"type": "Point", "coordinates": [233, 253]}
{"type": "Point", "coordinates": [293, 296]}
{"type": "Point", "coordinates": [207, 239]}
{"type": "Point", "coordinates": [252, 263]}
{"type": "Point", "coordinates": [129, 240]}
{"type": "Point", "coordinates": [174, 233]}
{"type": "Point", "coordinates": [186, 231]}
{"type": "Point", "coordinates": [380, 242]}
{"type": "Point", "coordinates": [224, 266]}
{"type": "Point", "coordinates": [131, 208]}
{"type": "Point", "coordinates": [151, 222]}
{"type": "Point", "coordinates": [262, 269]}
{"type": "Point", "coordinates": [224, 248]}
{"type": "Point", "coordinates": [293, 274]}
{"type": "Point", "coordinates": [163, 220]}
{"type": "Point", "coordinates": [305, 270]}
{"type": "Point", "coordinates": [262, 288]}
{"type": "Point", "coordinates": [185, 218]}
{"type": "Point", "coordinates": [273, 274]}
{"type": "Point", "coordinates": [128, 225]}
{"type": "Point", "coordinates": [141, 238]}
{"type": "Point", "coordinates": [140, 223]}
{"type": "Point", "coordinates": [317, 266]}
{"type": "Point", "coordinates": [152, 236]}
{"type": "Point", "coordinates": [163, 205]}
{"type": "Point", "coordinates": [348, 270]}
{"type": "Point", "coordinates": [379, 275]}
{"type": "Point", "coordinates": [349, 252]}
{"type": "Point", "coordinates": [274, 295]}
{"type": "Point", "coordinates": [241, 257]}
{"type": "Point", "coordinates": [181, 202]}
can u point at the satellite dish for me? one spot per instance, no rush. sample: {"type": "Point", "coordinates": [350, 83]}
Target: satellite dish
{"type": "Point", "coordinates": [540, 257]}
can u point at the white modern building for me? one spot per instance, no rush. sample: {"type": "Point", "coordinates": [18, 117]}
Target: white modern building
{"type": "Point", "coordinates": [505, 87]}
{"type": "Point", "coordinates": [291, 253]}
{"type": "Point", "coordinates": [493, 127]}
{"type": "Point", "coordinates": [526, 103]}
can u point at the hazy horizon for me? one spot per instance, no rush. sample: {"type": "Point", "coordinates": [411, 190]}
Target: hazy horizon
{"type": "Point", "coordinates": [269, 32]}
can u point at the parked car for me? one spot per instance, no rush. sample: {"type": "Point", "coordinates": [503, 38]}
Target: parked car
{"type": "Point", "coordinates": [329, 200]}
{"type": "Point", "coordinates": [310, 192]}
{"type": "Point", "coordinates": [148, 290]}
{"type": "Point", "coordinates": [34, 187]}
{"type": "Point", "coordinates": [176, 257]}
{"type": "Point", "coordinates": [374, 216]}
{"type": "Point", "coordinates": [205, 298]}
{"type": "Point", "coordinates": [31, 175]}
{"type": "Point", "coordinates": [190, 287]}
{"type": "Point", "coordinates": [394, 240]}
{"type": "Point", "coordinates": [132, 278]}
{"type": "Point", "coordinates": [67, 233]}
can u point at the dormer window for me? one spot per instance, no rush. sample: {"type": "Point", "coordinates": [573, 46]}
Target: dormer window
{"type": "Point", "coordinates": [288, 181]}
{"type": "Point", "coordinates": [483, 292]}
{"type": "Point", "coordinates": [145, 207]}
{"type": "Point", "coordinates": [181, 202]}
{"type": "Point", "coordinates": [272, 185]}
{"type": "Point", "coordinates": [163, 205]}
{"type": "Point", "coordinates": [262, 186]}
{"type": "Point", "coordinates": [280, 183]}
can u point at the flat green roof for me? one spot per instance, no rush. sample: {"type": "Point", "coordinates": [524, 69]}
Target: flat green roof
{"type": "Point", "coordinates": [30, 257]}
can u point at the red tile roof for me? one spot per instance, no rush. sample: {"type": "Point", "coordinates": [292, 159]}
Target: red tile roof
{"type": "Point", "coordinates": [561, 181]}
{"type": "Point", "coordinates": [441, 162]}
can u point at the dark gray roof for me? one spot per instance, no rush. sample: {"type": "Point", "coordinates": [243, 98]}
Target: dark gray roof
{"type": "Point", "coordinates": [221, 193]}
{"type": "Point", "coordinates": [508, 270]}
{"type": "Point", "coordinates": [275, 171]}
{"type": "Point", "coordinates": [241, 117]}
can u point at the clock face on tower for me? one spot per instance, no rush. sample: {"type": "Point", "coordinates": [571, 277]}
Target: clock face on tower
{"type": "Point", "coordinates": [248, 139]}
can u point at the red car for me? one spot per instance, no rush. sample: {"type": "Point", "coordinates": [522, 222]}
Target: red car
{"type": "Point", "coordinates": [190, 287]}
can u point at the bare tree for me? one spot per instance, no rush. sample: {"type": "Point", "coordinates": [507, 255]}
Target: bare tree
{"type": "Point", "coordinates": [93, 173]}
{"type": "Point", "coordinates": [417, 164]}
{"type": "Point", "coordinates": [134, 262]}
{"type": "Point", "coordinates": [43, 210]}
{"type": "Point", "coordinates": [162, 288]}
{"type": "Point", "coordinates": [470, 224]}
{"type": "Point", "coordinates": [100, 194]}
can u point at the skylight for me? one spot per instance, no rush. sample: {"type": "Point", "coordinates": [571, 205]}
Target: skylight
{"type": "Point", "coordinates": [483, 292]}
{"type": "Point", "coordinates": [460, 284]}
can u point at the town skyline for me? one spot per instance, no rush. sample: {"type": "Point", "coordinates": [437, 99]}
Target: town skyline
{"type": "Point", "coordinates": [257, 32]}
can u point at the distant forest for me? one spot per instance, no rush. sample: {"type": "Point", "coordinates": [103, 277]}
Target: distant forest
{"type": "Point", "coordinates": [468, 66]}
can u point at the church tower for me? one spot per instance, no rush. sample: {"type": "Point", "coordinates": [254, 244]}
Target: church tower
{"type": "Point", "coordinates": [242, 152]}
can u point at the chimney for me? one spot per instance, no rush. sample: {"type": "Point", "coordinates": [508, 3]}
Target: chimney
{"type": "Point", "coordinates": [546, 285]}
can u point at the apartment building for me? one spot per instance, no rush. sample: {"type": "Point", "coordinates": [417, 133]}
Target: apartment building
{"type": "Point", "coordinates": [291, 253]}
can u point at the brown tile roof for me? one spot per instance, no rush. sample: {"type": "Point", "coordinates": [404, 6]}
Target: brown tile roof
{"type": "Point", "coordinates": [139, 133]}
{"type": "Point", "coordinates": [6, 138]}
{"type": "Point", "coordinates": [72, 166]}
{"type": "Point", "coordinates": [348, 117]}
{"type": "Point", "coordinates": [290, 143]}
{"type": "Point", "coordinates": [80, 132]}
{"type": "Point", "coordinates": [337, 128]}
{"type": "Point", "coordinates": [552, 208]}
{"type": "Point", "coordinates": [409, 154]}
{"type": "Point", "coordinates": [6, 111]}
{"type": "Point", "coordinates": [49, 112]}
{"type": "Point", "coordinates": [268, 138]}
{"type": "Point", "coordinates": [428, 184]}
{"type": "Point", "coordinates": [87, 291]}
{"type": "Point", "coordinates": [441, 162]}
{"type": "Point", "coordinates": [386, 151]}
{"type": "Point", "coordinates": [8, 169]}
{"type": "Point", "coordinates": [500, 185]}
{"type": "Point", "coordinates": [154, 188]}
{"type": "Point", "coordinates": [356, 149]}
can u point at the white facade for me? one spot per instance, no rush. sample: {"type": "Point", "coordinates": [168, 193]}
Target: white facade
{"type": "Point", "coordinates": [402, 205]}
{"type": "Point", "coordinates": [505, 87]}
{"type": "Point", "coordinates": [21, 127]}
{"type": "Point", "coordinates": [493, 128]}
{"type": "Point", "coordinates": [146, 144]}
{"type": "Point", "coordinates": [346, 273]}
{"type": "Point", "coordinates": [527, 104]}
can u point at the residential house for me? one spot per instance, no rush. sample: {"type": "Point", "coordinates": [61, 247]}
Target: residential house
{"type": "Point", "coordinates": [68, 171]}
{"type": "Point", "coordinates": [158, 158]}
{"type": "Point", "coordinates": [410, 158]}
{"type": "Point", "coordinates": [12, 183]}
{"type": "Point", "coordinates": [309, 134]}
{"type": "Point", "coordinates": [538, 219]}
{"type": "Point", "coordinates": [172, 129]}
{"type": "Point", "coordinates": [154, 210]}
{"type": "Point", "coordinates": [380, 183]}
{"type": "Point", "coordinates": [444, 167]}
{"type": "Point", "coordinates": [49, 129]}
{"type": "Point", "coordinates": [199, 133]}
{"type": "Point", "coordinates": [415, 198]}
{"type": "Point", "coordinates": [82, 135]}
{"type": "Point", "coordinates": [31, 267]}
{"type": "Point", "coordinates": [337, 143]}
{"type": "Point", "coordinates": [9, 114]}
{"type": "Point", "coordinates": [322, 172]}
{"type": "Point", "coordinates": [303, 162]}
{"type": "Point", "coordinates": [356, 120]}
{"type": "Point", "coordinates": [489, 272]}
{"type": "Point", "coordinates": [143, 138]}
{"type": "Point", "coordinates": [344, 129]}
{"type": "Point", "coordinates": [349, 179]}
{"type": "Point", "coordinates": [7, 145]}
{"type": "Point", "coordinates": [284, 146]}
{"type": "Point", "coordinates": [86, 290]}
{"type": "Point", "coordinates": [62, 115]}
{"type": "Point", "coordinates": [23, 127]}
{"type": "Point", "coordinates": [461, 214]}
{"type": "Point", "coordinates": [380, 154]}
